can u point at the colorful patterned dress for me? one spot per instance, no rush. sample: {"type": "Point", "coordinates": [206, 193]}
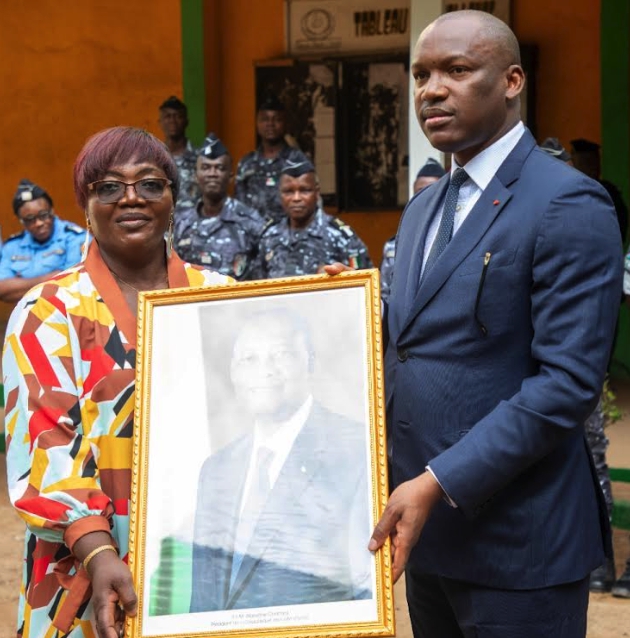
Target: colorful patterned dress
{"type": "Point", "coordinates": [69, 373]}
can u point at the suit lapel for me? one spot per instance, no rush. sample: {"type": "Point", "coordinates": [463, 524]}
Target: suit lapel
{"type": "Point", "coordinates": [492, 201]}
{"type": "Point", "coordinates": [227, 512]}
{"type": "Point", "coordinates": [417, 249]}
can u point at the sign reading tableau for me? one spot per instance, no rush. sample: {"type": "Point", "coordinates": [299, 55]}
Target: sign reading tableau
{"type": "Point", "coordinates": [334, 26]}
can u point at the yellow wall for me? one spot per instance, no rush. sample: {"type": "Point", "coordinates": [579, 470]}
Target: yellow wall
{"type": "Point", "coordinates": [246, 31]}
{"type": "Point", "coordinates": [68, 73]}
{"type": "Point", "coordinates": [568, 82]}
{"type": "Point", "coordinates": [568, 78]}
{"type": "Point", "coordinates": [70, 69]}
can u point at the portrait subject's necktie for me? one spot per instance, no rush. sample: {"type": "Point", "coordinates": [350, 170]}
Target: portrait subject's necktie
{"type": "Point", "coordinates": [445, 230]}
{"type": "Point", "coordinates": [256, 498]}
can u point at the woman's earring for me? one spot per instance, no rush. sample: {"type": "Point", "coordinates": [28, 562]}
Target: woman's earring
{"type": "Point", "coordinates": [169, 237]}
{"type": "Point", "coordinates": [86, 243]}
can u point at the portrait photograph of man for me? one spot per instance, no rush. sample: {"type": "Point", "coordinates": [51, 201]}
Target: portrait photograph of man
{"type": "Point", "coordinates": [277, 507]}
{"type": "Point", "coordinates": [274, 508]}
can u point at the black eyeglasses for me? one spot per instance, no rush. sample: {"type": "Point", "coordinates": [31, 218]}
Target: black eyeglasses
{"type": "Point", "coordinates": [109, 191]}
{"type": "Point", "coordinates": [42, 216]}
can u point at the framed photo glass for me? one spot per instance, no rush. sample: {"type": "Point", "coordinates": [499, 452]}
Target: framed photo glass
{"type": "Point", "coordinates": [260, 461]}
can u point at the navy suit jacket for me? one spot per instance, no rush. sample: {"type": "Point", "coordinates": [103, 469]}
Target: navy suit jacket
{"type": "Point", "coordinates": [491, 375]}
{"type": "Point", "coordinates": [304, 548]}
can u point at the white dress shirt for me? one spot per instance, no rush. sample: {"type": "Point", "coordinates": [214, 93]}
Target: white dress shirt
{"type": "Point", "coordinates": [481, 169]}
{"type": "Point", "coordinates": [279, 443]}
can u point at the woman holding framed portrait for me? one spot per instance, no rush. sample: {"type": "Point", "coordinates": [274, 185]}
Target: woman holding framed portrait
{"type": "Point", "coordinates": [69, 367]}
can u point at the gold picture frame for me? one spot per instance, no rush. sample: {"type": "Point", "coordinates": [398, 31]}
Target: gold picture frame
{"type": "Point", "coordinates": [224, 373]}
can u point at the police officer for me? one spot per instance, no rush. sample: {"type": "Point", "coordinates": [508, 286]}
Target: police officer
{"type": "Point", "coordinates": [427, 175]}
{"type": "Point", "coordinates": [218, 231]}
{"type": "Point", "coordinates": [259, 171]}
{"type": "Point", "coordinates": [307, 238]}
{"type": "Point", "coordinates": [586, 158]}
{"type": "Point", "coordinates": [173, 121]}
{"type": "Point", "coordinates": [46, 246]}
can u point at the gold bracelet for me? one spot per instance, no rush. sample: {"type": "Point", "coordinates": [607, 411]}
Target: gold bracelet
{"type": "Point", "coordinates": [94, 552]}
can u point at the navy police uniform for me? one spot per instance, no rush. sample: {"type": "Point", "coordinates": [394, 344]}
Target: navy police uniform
{"type": "Point", "coordinates": [186, 164]}
{"type": "Point", "coordinates": [227, 243]}
{"type": "Point", "coordinates": [387, 267]}
{"type": "Point", "coordinates": [285, 252]}
{"type": "Point", "coordinates": [257, 179]}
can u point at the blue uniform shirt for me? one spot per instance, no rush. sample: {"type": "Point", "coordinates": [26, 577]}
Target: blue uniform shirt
{"type": "Point", "coordinates": [22, 256]}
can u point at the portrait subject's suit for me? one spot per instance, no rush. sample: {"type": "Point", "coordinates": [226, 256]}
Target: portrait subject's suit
{"type": "Point", "coordinates": [494, 362]}
{"type": "Point", "coordinates": [304, 547]}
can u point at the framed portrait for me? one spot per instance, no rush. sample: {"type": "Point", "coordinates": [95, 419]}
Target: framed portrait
{"type": "Point", "coordinates": [259, 465]}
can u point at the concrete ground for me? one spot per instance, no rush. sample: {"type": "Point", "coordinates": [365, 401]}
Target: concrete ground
{"type": "Point", "coordinates": [608, 617]}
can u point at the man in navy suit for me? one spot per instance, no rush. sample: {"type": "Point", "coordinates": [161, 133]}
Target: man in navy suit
{"type": "Point", "coordinates": [501, 317]}
{"type": "Point", "coordinates": [279, 510]}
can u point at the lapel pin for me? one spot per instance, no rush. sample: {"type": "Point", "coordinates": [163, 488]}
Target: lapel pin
{"type": "Point", "coordinates": [496, 202]}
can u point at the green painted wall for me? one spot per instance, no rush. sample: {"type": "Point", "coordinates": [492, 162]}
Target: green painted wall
{"type": "Point", "coordinates": [615, 93]}
{"type": "Point", "coordinates": [193, 68]}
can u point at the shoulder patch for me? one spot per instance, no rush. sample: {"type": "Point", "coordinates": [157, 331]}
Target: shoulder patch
{"type": "Point", "coordinates": [342, 226]}
{"type": "Point", "coordinates": [74, 228]}
{"type": "Point", "coordinates": [14, 236]}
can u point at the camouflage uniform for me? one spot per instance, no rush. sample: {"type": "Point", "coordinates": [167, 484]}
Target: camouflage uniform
{"type": "Point", "coordinates": [598, 443]}
{"type": "Point", "coordinates": [227, 243]}
{"type": "Point", "coordinates": [257, 180]}
{"type": "Point", "coordinates": [387, 267]}
{"type": "Point", "coordinates": [189, 192]}
{"type": "Point", "coordinates": [285, 252]}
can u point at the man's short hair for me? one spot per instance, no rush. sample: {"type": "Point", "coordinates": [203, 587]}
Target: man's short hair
{"type": "Point", "coordinates": [174, 103]}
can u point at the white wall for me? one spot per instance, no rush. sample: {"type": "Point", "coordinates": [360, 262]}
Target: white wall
{"type": "Point", "coordinates": [422, 13]}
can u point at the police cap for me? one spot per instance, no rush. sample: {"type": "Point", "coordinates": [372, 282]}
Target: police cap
{"type": "Point", "coordinates": [213, 147]}
{"type": "Point", "coordinates": [432, 168]}
{"type": "Point", "coordinates": [553, 147]}
{"type": "Point", "coordinates": [271, 103]}
{"type": "Point", "coordinates": [28, 191]}
{"type": "Point", "coordinates": [297, 164]}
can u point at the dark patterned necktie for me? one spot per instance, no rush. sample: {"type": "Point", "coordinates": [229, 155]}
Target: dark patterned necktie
{"type": "Point", "coordinates": [256, 498]}
{"type": "Point", "coordinates": [445, 230]}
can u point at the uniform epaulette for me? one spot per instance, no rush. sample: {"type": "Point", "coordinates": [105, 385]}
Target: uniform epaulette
{"type": "Point", "coordinates": [342, 226]}
{"type": "Point", "coordinates": [74, 228]}
{"type": "Point", "coordinates": [14, 236]}
{"type": "Point", "coordinates": [268, 224]}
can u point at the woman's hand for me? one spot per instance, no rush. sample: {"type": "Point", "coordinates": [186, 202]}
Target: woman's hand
{"type": "Point", "coordinates": [113, 595]}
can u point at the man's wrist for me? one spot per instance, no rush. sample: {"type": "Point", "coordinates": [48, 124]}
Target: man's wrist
{"type": "Point", "coordinates": [443, 492]}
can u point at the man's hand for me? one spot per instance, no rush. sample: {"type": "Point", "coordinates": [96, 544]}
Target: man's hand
{"type": "Point", "coordinates": [113, 595]}
{"type": "Point", "coordinates": [336, 267]}
{"type": "Point", "coordinates": [404, 517]}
